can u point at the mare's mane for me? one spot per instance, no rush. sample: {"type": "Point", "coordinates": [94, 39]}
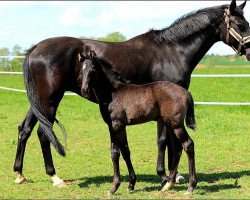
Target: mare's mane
{"type": "Point", "coordinates": [183, 29]}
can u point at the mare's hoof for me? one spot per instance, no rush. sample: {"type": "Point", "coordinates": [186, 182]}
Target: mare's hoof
{"type": "Point", "coordinates": [187, 193]}
{"type": "Point", "coordinates": [167, 187]}
{"type": "Point", "coordinates": [57, 182]}
{"type": "Point", "coordinates": [20, 179]}
{"type": "Point", "coordinates": [60, 185]}
{"type": "Point", "coordinates": [179, 179]}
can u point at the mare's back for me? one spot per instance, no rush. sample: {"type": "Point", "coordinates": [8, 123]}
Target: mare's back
{"type": "Point", "coordinates": [56, 47]}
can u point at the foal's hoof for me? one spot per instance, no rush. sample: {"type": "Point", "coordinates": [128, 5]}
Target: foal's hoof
{"type": "Point", "coordinates": [179, 179]}
{"type": "Point", "coordinates": [20, 179]}
{"type": "Point", "coordinates": [189, 191]}
{"type": "Point", "coordinates": [110, 193]}
{"type": "Point", "coordinates": [167, 187]}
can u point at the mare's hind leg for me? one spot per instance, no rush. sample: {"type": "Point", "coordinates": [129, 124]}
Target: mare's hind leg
{"type": "Point", "coordinates": [117, 142]}
{"type": "Point", "coordinates": [24, 132]}
{"type": "Point", "coordinates": [163, 141]}
{"type": "Point", "coordinates": [188, 146]}
{"type": "Point", "coordinates": [177, 150]}
{"type": "Point", "coordinates": [50, 109]}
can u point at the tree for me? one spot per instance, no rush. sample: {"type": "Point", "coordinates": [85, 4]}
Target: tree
{"type": "Point", "coordinates": [111, 37]}
{"type": "Point", "coordinates": [16, 63]}
{"type": "Point", "coordinates": [9, 64]}
{"type": "Point", "coordinates": [4, 63]}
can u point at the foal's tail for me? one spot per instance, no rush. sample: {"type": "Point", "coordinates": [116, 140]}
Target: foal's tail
{"type": "Point", "coordinates": [190, 117]}
{"type": "Point", "coordinates": [37, 108]}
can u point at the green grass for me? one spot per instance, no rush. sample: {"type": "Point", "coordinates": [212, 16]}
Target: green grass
{"type": "Point", "coordinates": [221, 144]}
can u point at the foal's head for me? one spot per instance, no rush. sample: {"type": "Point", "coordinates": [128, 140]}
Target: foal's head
{"type": "Point", "coordinates": [99, 72]}
{"type": "Point", "coordinates": [88, 72]}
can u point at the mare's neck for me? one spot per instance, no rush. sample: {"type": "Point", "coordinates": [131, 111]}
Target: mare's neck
{"type": "Point", "coordinates": [192, 36]}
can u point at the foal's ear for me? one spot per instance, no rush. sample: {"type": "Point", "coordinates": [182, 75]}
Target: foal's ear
{"type": "Point", "coordinates": [241, 7]}
{"type": "Point", "coordinates": [92, 54]}
{"type": "Point", "coordinates": [232, 5]}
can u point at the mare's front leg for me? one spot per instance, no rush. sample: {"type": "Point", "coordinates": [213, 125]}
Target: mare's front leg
{"type": "Point", "coordinates": [24, 132]}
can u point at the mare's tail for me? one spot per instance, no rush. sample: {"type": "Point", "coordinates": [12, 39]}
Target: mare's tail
{"type": "Point", "coordinates": [190, 117]}
{"type": "Point", "coordinates": [36, 106]}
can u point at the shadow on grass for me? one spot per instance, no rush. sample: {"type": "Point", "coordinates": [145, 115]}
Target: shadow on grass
{"type": "Point", "coordinates": [212, 178]}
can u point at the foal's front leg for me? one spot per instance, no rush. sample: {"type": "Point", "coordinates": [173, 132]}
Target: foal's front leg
{"type": "Point", "coordinates": [123, 143]}
{"type": "Point", "coordinates": [161, 143]}
{"type": "Point", "coordinates": [119, 140]}
{"type": "Point", "coordinates": [116, 144]}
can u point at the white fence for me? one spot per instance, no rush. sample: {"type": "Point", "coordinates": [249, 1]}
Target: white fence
{"type": "Point", "coordinates": [193, 75]}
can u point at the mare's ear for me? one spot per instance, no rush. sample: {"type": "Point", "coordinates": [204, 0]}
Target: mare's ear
{"type": "Point", "coordinates": [92, 54]}
{"type": "Point", "coordinates": [241, 7]}
{"type": "Point", "coordinates": [232, 5]}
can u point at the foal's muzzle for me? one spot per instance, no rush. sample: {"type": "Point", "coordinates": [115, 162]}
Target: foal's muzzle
{"type": "Point", "coordinates": [85, 91]}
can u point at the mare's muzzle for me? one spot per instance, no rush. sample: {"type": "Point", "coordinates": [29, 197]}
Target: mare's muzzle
{"type": "Point", "coordinates": [248, 54]}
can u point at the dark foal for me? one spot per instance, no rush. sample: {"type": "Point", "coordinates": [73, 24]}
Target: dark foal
{"type": "Point", "coordinates": [134, 104]}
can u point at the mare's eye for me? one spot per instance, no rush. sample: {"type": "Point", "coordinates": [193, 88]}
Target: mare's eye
{"type": "Point", "coordinates": [241, 27]}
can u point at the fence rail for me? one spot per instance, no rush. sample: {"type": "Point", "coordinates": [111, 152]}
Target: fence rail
{"type": "Point", "coordinates": [12, 57]}
{"type": "Point", "coordinates": [193, 75]}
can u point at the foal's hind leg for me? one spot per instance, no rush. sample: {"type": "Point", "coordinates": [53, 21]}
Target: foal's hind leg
{"type": "Point", "coordinates": [24, 132]}
{"type": "Point", "coordinates": [188, 146]}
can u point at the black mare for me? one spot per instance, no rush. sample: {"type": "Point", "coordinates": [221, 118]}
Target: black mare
{"type": "Point", "coordinates": [52, 67]}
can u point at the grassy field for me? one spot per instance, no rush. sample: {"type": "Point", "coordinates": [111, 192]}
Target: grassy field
{"type": "Point", "coordinates": [221, 144]}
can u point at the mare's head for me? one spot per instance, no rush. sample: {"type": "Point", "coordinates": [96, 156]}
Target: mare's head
{"type": "Point", "coordinates": [236, 31]}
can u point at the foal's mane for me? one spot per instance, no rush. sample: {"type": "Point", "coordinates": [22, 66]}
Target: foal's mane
{"type": "Point", "coordinates": [111, 74]}
{"type": "Point", "coordinates": [189, 24]}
